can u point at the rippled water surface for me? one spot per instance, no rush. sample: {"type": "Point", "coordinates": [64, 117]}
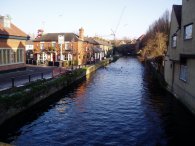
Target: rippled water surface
{"type": "Point", "coordinates": [118, 105]}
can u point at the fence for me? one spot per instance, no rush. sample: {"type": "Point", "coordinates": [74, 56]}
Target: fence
{"type": "Point", "coordinates": [20, 80]}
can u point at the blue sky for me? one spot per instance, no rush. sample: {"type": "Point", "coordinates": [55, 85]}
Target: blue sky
{"type": "Point", "coordinates": [97, 17]}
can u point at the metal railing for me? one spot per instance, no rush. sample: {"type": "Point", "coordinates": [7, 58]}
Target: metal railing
{"type": "Point", "coordinates": [21, 80]}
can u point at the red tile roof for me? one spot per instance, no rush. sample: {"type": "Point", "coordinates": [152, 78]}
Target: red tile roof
{"type": "Point", "coordinates": [12, 31]}
{"type": "Point", "coordinates": [54, 37]}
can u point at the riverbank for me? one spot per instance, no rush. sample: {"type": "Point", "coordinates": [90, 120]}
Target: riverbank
{"type": "Point", "coordinates": [156, 73]}
{"type": "Point", "coordinates": [17, 100]}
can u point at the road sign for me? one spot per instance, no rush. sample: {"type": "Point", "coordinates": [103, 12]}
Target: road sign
{"type": "Point", "coordinates": [60, 39]}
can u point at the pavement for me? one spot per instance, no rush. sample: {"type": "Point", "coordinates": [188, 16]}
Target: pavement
{"type": "Point", "coordinates": [22, 77]}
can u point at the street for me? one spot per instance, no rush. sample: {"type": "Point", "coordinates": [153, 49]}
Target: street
{"type": "Point", "coordinates": [22, 77]}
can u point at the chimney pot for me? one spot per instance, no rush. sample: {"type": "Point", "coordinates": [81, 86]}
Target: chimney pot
{"type": "Point", "coordinates": [5, 21]}
{"type": "Point", "coordinates": [81, 34]}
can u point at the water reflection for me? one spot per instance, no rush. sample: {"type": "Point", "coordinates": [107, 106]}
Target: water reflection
{"type": "Point", "coordinates": [118, 105]}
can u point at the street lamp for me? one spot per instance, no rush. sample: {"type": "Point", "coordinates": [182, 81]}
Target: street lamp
{"type": "Point", "coordinates": [61, 41]}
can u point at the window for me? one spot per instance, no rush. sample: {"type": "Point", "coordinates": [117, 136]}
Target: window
{"type": "Point", "coordinates": [5, 56]}
{"type": "Point", "coordinates": [174, 41]}
{"type": "Point", "coordinates": [67, 46]}
{"type": "Point", "coordinates": [41, 45]}
{"type": "Point", "coordinates": [13, 57]}
{"type": "Point", "coordinates": [1, 58]}
{"type": "Point", "coordinates": [31, 56]}
{"type": "Point", "coordinates": [9, 56]}
{"type": "Point", "coordinates": [20, 55]}
{"type": "Point", "coordinates": [69, 57]}
{"type": "Point", "coordinates": [66, 57]}
{"type": "Point", "coordinates": [188, 32]}
{"type": "Point", "coordinates": [53, 44]}
{"type": "Point", "coordinates": [183, 70]}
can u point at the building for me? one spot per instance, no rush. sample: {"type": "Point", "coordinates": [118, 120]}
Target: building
{"type": "Point", "coordinates": [89, 45]}
{"type": "Point", "coordinates": [139, 44]}
{"type": "Point", "coordinates": [12, 45]}
{"type": "Point", "coordinates": [180, 57]}
{"type": "Point", "coordinates": [48, 49]}
{"type": "Point", "coordinates": [105, 46]}
{"type": "Point", "coordinates": [29, 51]}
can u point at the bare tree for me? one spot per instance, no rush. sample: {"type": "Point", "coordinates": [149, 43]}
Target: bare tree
{"type": "Point", "coordinates": [156, 38]}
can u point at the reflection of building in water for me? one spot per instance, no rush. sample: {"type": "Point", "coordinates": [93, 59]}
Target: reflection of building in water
{"type": "Point", "coordinates": [61, 107]}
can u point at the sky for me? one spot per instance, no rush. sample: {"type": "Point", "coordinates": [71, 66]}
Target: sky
{"type": "Point", "coordinates": [124, 18]}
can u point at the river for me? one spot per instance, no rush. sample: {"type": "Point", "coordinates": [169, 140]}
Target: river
{"type": "Point", "coordinates": [120, 104]}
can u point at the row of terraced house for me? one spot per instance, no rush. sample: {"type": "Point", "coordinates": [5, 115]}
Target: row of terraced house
{"type": "Point", "coordinates": [16, 48]}
{"type": "Point", "coordinates": [75, 49]}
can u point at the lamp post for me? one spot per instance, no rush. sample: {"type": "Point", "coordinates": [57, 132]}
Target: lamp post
{"type": "Point", "coordinates": [61, 41]}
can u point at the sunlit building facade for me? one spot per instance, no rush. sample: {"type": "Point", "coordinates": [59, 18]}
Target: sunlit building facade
{"type": "Point", "coordinates": [12, 45]}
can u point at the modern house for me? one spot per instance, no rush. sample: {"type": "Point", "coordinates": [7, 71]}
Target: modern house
{"type": "Point", "coordinates": [180, 57]}
{"type": "Point", "coordinates": [12, 45]}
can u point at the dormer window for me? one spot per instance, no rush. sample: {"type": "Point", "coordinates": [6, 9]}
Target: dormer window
{"type": "Point", "coordinates": [188, 31]}
{"type": "Point", "coordinates": [174, 41]}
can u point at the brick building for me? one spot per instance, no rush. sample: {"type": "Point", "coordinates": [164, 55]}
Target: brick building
{"type": "Point", "coordinates": [46, 48]}
{"type": "Point", "coordinates": [12, 45]}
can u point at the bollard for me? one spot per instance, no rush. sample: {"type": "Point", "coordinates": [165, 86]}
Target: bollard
{"type": "Point", "coordinates": [29, 78]}
{"type": "Point", "coordinates": [41, 75]}
{"type": "Point", "coordinates": [13, 79]}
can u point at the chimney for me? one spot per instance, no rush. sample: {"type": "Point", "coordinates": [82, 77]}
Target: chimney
{"type": "Point", "coordinates": [81, 34]}
{"type": "Point", "coordinates": [5, 21]}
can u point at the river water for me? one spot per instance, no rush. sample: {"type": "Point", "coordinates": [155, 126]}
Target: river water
{"type": "Point", "coordinates": [118, 105]}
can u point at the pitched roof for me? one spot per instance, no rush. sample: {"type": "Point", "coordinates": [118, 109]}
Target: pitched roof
{"type": "Point", "coordinates": [102, 42]}
{"type": "Point", "coordinates": [91, 41]}
{"type": "Point", "coordinates": [12, 31]}
{"type": "Point", "coordinates": [54, 37]}
{"type": "Point", "coordinates": [141, 37]}
{"type": "Point", "coordinates": [97, 50]}
{"type": "Point", "coordinates": [178, 11]}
